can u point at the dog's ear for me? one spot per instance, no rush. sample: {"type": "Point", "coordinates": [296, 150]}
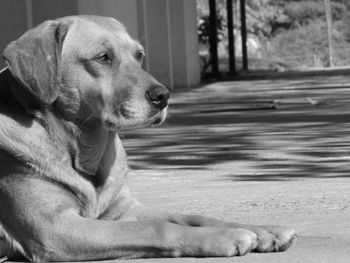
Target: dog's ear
{"type": "Point", "coordinates": [34, 60]}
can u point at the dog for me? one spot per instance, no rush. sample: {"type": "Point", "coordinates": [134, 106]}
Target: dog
{"type": "Point", "coordinates": [69, 86]}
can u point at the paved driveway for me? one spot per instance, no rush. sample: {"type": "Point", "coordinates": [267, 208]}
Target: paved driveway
{"type": "Point", "coordinates": [257, 152]}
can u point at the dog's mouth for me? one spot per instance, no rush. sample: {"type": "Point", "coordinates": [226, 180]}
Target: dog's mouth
{"type": "Point", "coordinates": [153, 121]}
{"type": "Point", "coordinates": [158, 119]}
{"type": "Point", "coordinates": [158, 122]}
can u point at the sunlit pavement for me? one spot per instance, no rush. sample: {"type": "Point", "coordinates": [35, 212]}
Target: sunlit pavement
{"type": "Point", "coordinates": [263, 152]}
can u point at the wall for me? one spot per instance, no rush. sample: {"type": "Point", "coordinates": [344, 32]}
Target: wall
{"type": "Point", "coordinates": [13, 22]}
{"type": "Point", "coordinates": [169, 32]}
{"type": "Point", "coordinates": [123, 10]}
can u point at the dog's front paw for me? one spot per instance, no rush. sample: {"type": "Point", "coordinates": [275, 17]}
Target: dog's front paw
{"type": "Point", "coordinates": [228, 242]}
{"type": "Point", "coordinates": [273, 238]}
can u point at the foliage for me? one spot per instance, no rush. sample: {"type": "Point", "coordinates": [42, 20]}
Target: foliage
{"type": "Point", "coordinates": [293, 29]}
{"type": "Point", "coordinates": [203, 27]}
{"type": "Point", "coordinates": [203, 24]}
{"type": "Point", "coordinates": [306, 35]}
{"type": "Point", "coordinates": [295, 44]}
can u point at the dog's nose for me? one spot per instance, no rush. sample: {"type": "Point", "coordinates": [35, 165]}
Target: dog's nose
{"type": "Point", "coordinates": [159, 96]}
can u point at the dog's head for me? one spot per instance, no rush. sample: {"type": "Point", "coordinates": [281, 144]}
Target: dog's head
{"type": "Point", "coordinates": [90, 70]}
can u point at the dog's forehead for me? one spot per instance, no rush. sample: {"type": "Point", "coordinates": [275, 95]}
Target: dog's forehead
{"type": "Point", "coordinates": [90, 30]}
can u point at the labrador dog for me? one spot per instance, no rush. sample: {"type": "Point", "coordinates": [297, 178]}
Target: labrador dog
{"type": "Point", "coordinates": [71, 84]}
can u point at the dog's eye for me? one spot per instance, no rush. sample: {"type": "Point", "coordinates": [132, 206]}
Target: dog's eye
{"type": "Point", "coordinates": [140, 55]}
{"type": "Point", "coordinates": [103, 57]}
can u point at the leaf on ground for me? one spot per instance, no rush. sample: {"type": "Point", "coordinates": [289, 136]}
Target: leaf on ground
{"type": "Point", "coordinates": [316, 102]}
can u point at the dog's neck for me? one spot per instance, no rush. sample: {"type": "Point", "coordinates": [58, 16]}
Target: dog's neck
{"type": "Point", "coordinates": [91, 144]}
{"type": "Point", "coordinates": [86, 144]}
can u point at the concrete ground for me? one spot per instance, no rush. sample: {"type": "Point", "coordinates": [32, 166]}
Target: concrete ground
{"type": "Point", "coordinates": [262, 152]}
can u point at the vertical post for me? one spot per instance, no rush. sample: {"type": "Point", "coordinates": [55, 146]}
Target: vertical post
{"type": "Point", "coordinates": [244, 35]}
{"type": "Point", "coordinates": [231, 38]}
{"type": "Point", "coordinates": [327, 5]}
{"type": "Point", "coordinates": [29, 14]}
{"type": "Point", "coordinates": [213, 38]}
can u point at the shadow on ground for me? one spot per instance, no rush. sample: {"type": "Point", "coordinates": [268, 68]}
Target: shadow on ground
{"type": "Point", "coordinates": [254, 130]}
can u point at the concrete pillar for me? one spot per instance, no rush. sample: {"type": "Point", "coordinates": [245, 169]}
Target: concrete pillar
{"type": "Point", "coordinates": [184, 43]}
{"type": "Point", "coordinates": [157, 39]}
{"type": "Point", "coordinates": [50, 9]}
{"type": "Point", "coordinates": [125, 11]}
{"type": "Point", "coordinates": [171, 41]}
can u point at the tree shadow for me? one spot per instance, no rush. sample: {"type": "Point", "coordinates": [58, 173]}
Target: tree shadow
{"type": "Point", "coordinates": [252, 131]}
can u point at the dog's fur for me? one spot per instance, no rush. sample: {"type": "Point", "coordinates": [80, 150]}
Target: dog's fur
{"type": "Point", "coordinates": [70, 85]}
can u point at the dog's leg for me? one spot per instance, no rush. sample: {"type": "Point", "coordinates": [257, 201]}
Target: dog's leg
{"type": "Point", "coordinates": [73, 238]}
{"type": "Point", "coordinates": [271, 238]}
{"type": "Point", "coordinates": [48, 227]}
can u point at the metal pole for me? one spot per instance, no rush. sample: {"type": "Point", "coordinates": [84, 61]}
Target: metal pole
{"type": "Point", "coordinates": [328, 10]}
{"type": "Point", "coordinates": [244, 35]}
{"type": "Point", "coordinates": [213, 38]}
{"type": "Point", "coordinates": [231, 37]}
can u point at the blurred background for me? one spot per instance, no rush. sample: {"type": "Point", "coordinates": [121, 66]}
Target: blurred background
{"type": "Point", "coordinates": [279, 35]}
{"type": "Point", "coordinates": [188, 41]}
